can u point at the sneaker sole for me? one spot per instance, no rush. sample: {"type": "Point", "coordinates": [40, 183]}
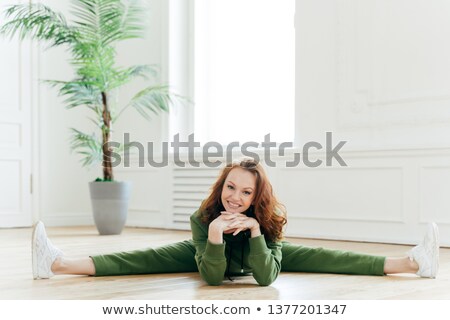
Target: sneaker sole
{"type": "Point", "coordinates": [33, 253]}
{"type": "Point", "coordinates": [435, 265]}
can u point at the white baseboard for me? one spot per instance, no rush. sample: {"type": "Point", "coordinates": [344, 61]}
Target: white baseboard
{"type": "Point", "coordinates": [64, 219]}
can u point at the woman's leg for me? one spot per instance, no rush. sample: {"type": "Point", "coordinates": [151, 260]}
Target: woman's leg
{"type": "Point", "coordinates": [83, 266]}
{"type": "Point", "coordinates": [306, 259]}
{"type": "Point", "coordinates": [47, 260]}
{"type": "Point", "coordinates": [400, 265]}
{"type": "Point", "coordinates": [177, 257]}
{"type": "Point", "coordinates": [299, 258]}
{"type": "Point", "coordinates": [423, 259]}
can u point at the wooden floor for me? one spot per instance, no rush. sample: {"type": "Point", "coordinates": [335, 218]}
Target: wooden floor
{"type": "Point", "coordinates": [16, 280]}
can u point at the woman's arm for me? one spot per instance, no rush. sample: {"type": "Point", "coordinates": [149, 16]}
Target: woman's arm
{"type": "Point", "coordinates": [210, 257]}
{"type": "Point", "coordinates": [265, 260]}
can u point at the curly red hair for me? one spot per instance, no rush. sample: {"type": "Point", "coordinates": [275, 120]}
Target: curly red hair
{"type": "Point", "coordinates": [270, 214]}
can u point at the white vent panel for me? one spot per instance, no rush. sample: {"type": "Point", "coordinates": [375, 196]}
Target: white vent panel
{"type": "Point", "coordinates": [190, 187]}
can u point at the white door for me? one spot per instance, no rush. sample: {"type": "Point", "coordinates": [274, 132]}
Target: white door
{"type": "Point", "coordinates": [15, 134]}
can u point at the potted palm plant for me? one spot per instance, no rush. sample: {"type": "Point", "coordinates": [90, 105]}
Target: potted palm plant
{"type": "Point", "coordinates": [91, 38]}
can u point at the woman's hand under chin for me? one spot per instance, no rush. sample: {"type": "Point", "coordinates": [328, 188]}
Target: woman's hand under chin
{"type": "Point", "coordinates": [229, 231]}
{"type": "Point", "coordinates": [232, 223]}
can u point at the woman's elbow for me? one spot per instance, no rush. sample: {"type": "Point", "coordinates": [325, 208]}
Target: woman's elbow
{"type": "Point", "coordinates": [266, 279]}
{"type": "Point", "coordinates": [214, 282]}
{"type": "Point", "coordinates": [265, 282]}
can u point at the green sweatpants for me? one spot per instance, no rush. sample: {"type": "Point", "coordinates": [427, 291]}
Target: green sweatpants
{"type": "Point", "coordinates": [179, 257]}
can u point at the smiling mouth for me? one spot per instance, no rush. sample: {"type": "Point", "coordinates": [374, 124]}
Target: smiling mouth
{"type": "Point", "coordinates": [233, 205]}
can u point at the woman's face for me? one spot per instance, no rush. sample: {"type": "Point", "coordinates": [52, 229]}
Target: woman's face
{"type": "Point", "coordinates": [238, 190]}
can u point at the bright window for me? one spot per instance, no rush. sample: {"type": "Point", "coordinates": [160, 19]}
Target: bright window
{"type": "Point", "coordinates": [244, 70]}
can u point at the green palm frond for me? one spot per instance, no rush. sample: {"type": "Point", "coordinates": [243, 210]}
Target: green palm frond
{"type": "Point", "coordinates": [130, 22]}
{"type": "Point", "coordinates": [108, 21]}
{"type": "Point", "coordinates": [152, 100]}
{"type": "Point", "coordinates": [39, 22]}
{"type": "Point", "coordinates": [124, 76]}
{"type": "Point", "coordinates": [96, 122]}
{"type": "Point", "coordinates": [88, 146]}
{"type": "Point", "coordinates": [96, 64]}
{"type": "Point", "coordinates": [80, 93]}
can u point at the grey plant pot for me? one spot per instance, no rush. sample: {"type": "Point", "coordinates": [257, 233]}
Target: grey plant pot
{"type": "Point", "coordinates": [110, 205]}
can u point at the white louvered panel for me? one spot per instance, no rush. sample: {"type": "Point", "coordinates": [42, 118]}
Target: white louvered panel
{"type": "Point", "coordinates": [196, 172]}
{"type": "Point", "coordinates": [186, 203]}
{"type": "Point", "coordinates": [199, 195]}
{"type": "Point", "coordinates": [181, 218]}
{"type": "Point", "coordinates": [183, 211]}
{"type": "Point", "coordinates": [204, 182]}
{"type": "Point", "coordinates": [190, 187]}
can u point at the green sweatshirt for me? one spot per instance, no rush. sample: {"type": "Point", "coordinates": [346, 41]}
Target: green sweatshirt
{"type": "Point", "coordinates": [239, 255]}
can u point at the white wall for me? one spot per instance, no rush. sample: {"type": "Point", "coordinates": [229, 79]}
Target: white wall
{"type": "Point", "coordinates": [375, 73]}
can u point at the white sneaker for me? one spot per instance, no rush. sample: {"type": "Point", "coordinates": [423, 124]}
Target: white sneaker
{"type": "Point", "coordinates": [44, 253]}
{"type": "Point", "coordinates": [426, 254]}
